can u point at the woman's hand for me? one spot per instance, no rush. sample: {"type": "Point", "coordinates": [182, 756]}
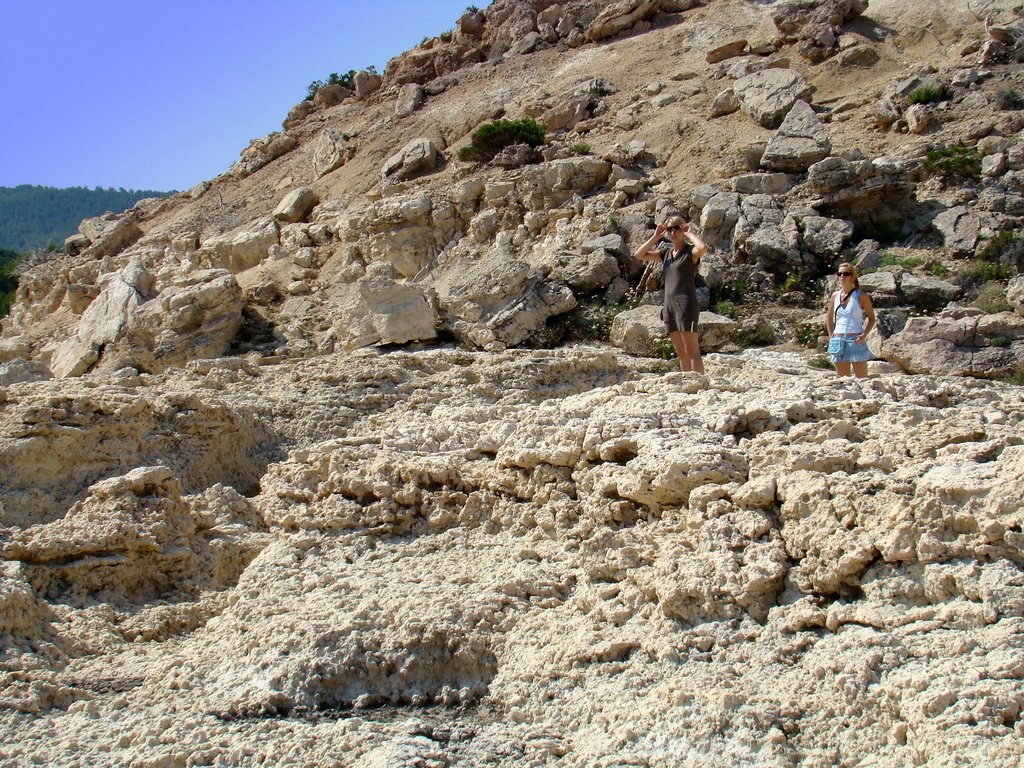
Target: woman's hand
{"type": "Point", "coordinates": [660, 230]}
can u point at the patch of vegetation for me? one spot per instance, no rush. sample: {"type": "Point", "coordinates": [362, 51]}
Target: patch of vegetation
{"type": "Point", "coordinates": [472, 9]}
{"type": "Point", "coordinates": [1000, 341]}
{"type": "Point", "coordinates": [761, 336]}
{"type": "Point", "coordinates": [662, 347]}
{"type": "Point", "coordinates": [461, 358]}
{"type": "Point", "coordinates": [795, 281]}
{"type": "Point", "coordinates": [726, 308]}
{"type": "Point", "coordinates": [1005, 250]}
{"type": "Point", "coordinates": [734, 291]}
{"type": "Point", "coordinates": [936, 269]}
{"type": "Point", "coordinates": [581, 149]}
{"type": "Point", "coordinates": [489, 139]}
{"type": "Point", "coordinates": [926, 94]}
{"type": "Point", "coordinates": [1009, 99]}
{"type": "Point", "coordinates": [8, 282]}
{"type": "Point", "coordinates": [822, 363]}
{"type": "Point", "coordinates": [807, 334]}
{"type": "Point", "coordinates": [333, 79]}
{"type": "Point", "coordinates": [952, 163]}
{"type": "Point", "coordinates": [907, 262]}
{"type": "Point", "coordinates": [992, 298]}
{"type": "Point", "coordinates": [585, 322]}
{"type": "Point", "coordinates": [1017, 377]}
{"type": "Point", "coordinates": [498, 52]}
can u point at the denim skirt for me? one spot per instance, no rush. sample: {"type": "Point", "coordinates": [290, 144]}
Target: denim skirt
{"type": "Point", "coordinates": [852, 352]}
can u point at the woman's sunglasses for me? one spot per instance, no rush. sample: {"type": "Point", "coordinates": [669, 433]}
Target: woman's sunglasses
{"type": "Point", "coordinates": [674, 228]}
{"type": "Point", "coordinates": [845, 274]}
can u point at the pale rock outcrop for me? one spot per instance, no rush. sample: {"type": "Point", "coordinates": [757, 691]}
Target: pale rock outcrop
{"type": "Point", "coordinates": [262, 151]}
{"type": "Point", "coordinates": [800, 142]}
{"type": "Point", "coordinates": [416, 158]}
{"type": "Point", "coordinates": [408, 231]}
{"type": "Point", "coordinates": [948, 344]}
{"type": "Point", "coordinates": [13, 348]}
{"type": "Point", "coordinates": [332, 150]}
{"type": "Point", "coordinates": [725, 103]}
{"type": "Point", "coordinates": [410, 98]}
{"type": "Point", "coordinates": [767, 96]}
{"type": "Point", "coordinates": [816, 25]}
{"type": "Point", "coordinates": [19, 370]}
{"type": "Point", "coordinates": [132, 535]}
{"type": "Point", "coordinates": [241, 249]}
{"type": "Point", "coordinates": [296, 205]}
{"type": "Point", "coordinates": [1014, 296]}
{"type": "Point", "coordinates": [498, 299]}
{"type": "Point", "coordinates": [620, 16]}
{"type": "Point", "coordinates": [960, 228]}
{"type": "Point", "coordinates": [377, 309]}
{"type": "Point", "coordinates": [109, 234]}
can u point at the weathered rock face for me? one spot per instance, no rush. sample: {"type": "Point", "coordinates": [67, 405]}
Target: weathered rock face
{"type": "Point", "coordinates": [951, 344]}
{"type": "Point", "coordinates": [529, 516]}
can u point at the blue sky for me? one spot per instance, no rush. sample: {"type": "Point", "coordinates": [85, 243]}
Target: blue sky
{"type": "Point", "coordinates": [162, 94]}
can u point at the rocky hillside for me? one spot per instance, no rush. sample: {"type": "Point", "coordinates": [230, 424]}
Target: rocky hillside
{"type": "Point", "coordinates": [300, 467]}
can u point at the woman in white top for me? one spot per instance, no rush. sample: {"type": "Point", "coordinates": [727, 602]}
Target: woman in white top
{"type": "Point", "coordinates": [849, 317]}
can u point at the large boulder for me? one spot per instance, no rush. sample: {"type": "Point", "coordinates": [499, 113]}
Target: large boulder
{"type": "Point", "coordinates": [109, 234]}
{"type": "Point", "coordinates": [332, 150]}
{"type": "Point", "coordinates": [241, 249]}
{"type": "Point", "coordinates": [416, 158]}
{"type": "Point", "coordinates": [295, 206]}
{"type": "Point", "coordinates": [378, 309]}
{"type": "Point", "coordinates": [408, 231]}
{"type": "Point", "coordinates": [800, 142]}
{"type": "Point", "coordinates": [768, 95]}
{"type": "Point", "coordinates": [497, 300]}
{"type": "Point", "coordinates": [262, 151]}
{"type": "Point", "coordinates": [620, 16]}
{"type": "Point", "coordinates": [960, 228]}
{"type": "Point", "coordinates": [959, 344]}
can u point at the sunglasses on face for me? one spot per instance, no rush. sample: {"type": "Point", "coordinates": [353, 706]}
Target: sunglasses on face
{"type": "Point", "coordinates": [674, 228]}
{"type": "Point", "coordinates": [845, 274]}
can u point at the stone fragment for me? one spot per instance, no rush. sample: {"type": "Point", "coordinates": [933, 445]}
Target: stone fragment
{"type": "Point", "coordinates": [332, 150]}
{"type": "Point", "coordinates": [800, 142]}
{"type": "Point", "coordinates": [296, 205]}
{"type": "Point", "coordinates": [768, 96]}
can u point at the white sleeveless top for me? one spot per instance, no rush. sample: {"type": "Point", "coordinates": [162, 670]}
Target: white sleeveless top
{"type": "Point", "coordinates": [849, 319]}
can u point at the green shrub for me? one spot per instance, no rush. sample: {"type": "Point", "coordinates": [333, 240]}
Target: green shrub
{"type": "Point", "coordinates": [498, 52]}
{"type": "Point", "coordinates": [936, 269]}
{"type": "Point", "coordinates": [1017, 377]}
{"type": "Point", "coordinates": [1005, 250]}
{"type": "Point", "coordinates": [490, 138]}
{"type": "Point", "coordinates": [581, 149]}
{"type": "Point", "coordinates": [1009, 99]}
{"type": "Point", "coordinates": [333, 79]}
{"type": "Point", "coordinates": [1000, 341]}
{"type": "Point", "coordinates": [808, 333]}
{"type": "Point", "coordinates": [907, 262]}
{"type": "Point", "coordinates": [585, 322]}
{"type": "Point", "coordinates": [762, 336]}
{"type": "Point", "coordinates": [992, 298]}
{"type": "Point", "coordinates": [956, 162]}
{"type": "Point", "coordinates": [822, 363]}
{"type": "Point", "coordinates": [661, 346]}
{"type": "Point", "coordinates": [926, 94]}
{"type": "Point", "coordinates": [725, 308]}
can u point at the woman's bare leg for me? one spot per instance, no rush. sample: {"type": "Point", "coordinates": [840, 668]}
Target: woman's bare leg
{"type": "Point", "coordinates": [844, 369]}
{"type": "Point", "coordinates": [860, 370]}
{"type": "Point", "coordinates": [687, 349]}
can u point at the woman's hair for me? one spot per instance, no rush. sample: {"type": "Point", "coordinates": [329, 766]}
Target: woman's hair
{"type": "Point", "coordinates": [677, 219]}
{"type": "Point", "coordinates": [856, 281]}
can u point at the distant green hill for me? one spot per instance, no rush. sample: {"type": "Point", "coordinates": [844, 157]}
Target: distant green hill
{"type": "Point", "coordinates": [33, 217]}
